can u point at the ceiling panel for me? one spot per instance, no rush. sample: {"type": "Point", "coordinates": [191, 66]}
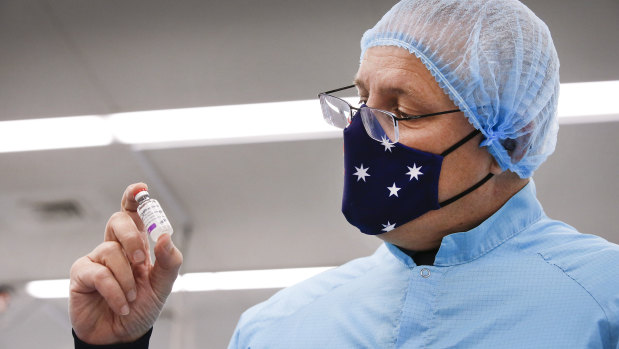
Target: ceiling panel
{"type": "Point", "coordinates": [41, 73]}
{"type": "Point", "coordinates": [70, 57]}
{"type": "Point", "coordinates": [94, 178]}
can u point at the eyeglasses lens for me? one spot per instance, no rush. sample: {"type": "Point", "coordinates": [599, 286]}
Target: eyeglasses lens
{"type": "Point", "coordinates": [335, 111]}
{"type": "Point", "coordinates": [379, 125]}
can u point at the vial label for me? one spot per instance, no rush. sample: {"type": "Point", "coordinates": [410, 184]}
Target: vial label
{"type": "Point", "coordinates": [154, 218]}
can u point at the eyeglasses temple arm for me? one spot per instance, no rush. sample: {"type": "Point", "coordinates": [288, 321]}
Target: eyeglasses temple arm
{"type": "Point", "coordinates": [339, 89]}
{"type": "Point", "coordinates": [413, 117]}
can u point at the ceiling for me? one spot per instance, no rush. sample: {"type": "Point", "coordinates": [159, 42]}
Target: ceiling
{"type": "Point", "coordinates": [234, 206]}
{"type": "Point", "coordinates": [72, 57]}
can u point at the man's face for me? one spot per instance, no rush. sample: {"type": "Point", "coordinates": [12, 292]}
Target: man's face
{"type": "Point", "coordinates": [391, 78]}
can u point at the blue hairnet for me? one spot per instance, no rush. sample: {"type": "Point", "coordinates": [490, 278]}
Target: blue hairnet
{"type": "Point", "coordinates": [495, 59]}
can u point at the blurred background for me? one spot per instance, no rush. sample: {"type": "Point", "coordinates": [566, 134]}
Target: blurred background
{"type": "Point", "coordinates": [240, 203]}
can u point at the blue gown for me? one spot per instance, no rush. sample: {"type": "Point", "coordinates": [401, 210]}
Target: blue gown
{"type": "Point", "coordinates": [518, 280]}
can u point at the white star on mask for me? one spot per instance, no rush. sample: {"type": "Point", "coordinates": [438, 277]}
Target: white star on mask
{"type": "Point", "coordinates": [386, 143]}
{"type": "Point", "coordinates": [414, 172]}
{"type": "Point", "coordinates": [361, 173]}
{"type": "Point", "coordinates": [388, 227]}
{"type": "Point", "coordinates": [393, 190]}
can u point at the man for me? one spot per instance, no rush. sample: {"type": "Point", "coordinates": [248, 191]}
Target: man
{"type": "Point", "coordinates": [459, 108]}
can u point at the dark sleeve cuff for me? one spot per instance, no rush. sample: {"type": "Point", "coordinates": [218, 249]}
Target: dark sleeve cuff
{"type": "Point", "coordinates": [141, 343]}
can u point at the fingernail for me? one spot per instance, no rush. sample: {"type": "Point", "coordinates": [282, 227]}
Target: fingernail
{"type": "Point", "coordinates": [138, 256]}
{"type": "Point", "coordinates": [124, 310]}
{"type": "Point", "coordinates": [131, 295]}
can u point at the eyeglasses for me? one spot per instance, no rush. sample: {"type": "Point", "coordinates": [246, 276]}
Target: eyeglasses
{"type": "Point", "coordinates": [381, 125]}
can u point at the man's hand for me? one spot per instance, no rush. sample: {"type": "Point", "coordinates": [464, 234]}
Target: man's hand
{"type": "Point", "coordinates": [116, 294]}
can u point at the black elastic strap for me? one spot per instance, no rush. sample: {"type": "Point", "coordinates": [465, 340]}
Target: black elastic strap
{"type": "Point", "coordinates": [462, 141]}
{"type": "Point", "coordinates": [475, 186]}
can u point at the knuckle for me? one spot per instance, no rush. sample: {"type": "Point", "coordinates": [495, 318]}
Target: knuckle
{"type": "Point", "coordinates": [72, 284]}
{"type": "Point", "coordinates": [117, 216]}
{"type": "Point", "coordinates": [121, 222]}
{"type": "Point", "coordinates": [77, 266]}
{"type": "Point", "coordinates": [101, 274]}
{"type": "Point", "coordinates": [114, 219]}
{"type": "Point", "coordinates": [110, 247]}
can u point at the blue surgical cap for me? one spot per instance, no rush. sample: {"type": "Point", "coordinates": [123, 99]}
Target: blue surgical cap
{"type": "Point", "coordinates": [496, 61]}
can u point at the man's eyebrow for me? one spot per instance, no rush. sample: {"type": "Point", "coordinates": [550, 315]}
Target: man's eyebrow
{"type": "Point", "coordinates": [388, 89]}
{"type": "Point", "coordinates": [359, 84]}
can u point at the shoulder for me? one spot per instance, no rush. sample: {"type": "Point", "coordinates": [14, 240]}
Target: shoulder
{"type": "Point", "coordinates": [580, 254]}
{"type": "Point", "coordinates": [587, 259]}
{"type": "Point", "coordinates": [330, 287]}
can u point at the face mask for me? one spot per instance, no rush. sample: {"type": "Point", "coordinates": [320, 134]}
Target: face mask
{"type": "Point", "coordinates": [389, 184]}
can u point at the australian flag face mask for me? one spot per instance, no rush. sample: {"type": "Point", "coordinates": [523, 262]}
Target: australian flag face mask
{"type": "Point", "coordinates": [389, 184]}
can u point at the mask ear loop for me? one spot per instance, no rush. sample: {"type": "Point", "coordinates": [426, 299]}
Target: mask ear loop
{"type": "Point", "coordinates": [476, 185]}
{"type": "Point", "coordinates": [462, 141]}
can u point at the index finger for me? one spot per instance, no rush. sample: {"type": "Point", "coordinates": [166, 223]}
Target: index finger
{"type": "Point", "coordinates": [130, 206]}
{"type": "Point", "coordinates": [128, 203]}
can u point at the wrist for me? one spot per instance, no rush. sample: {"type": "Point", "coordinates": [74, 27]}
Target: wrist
{"type": "Point", "coordinates": [140, 343]}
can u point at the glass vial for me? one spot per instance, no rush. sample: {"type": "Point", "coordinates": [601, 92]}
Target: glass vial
{"type": "Point", "coordinates": [152, 215]}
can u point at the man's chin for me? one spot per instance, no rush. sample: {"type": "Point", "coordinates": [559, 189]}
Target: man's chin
{"type": "Point", "coordinates": [414, 235]}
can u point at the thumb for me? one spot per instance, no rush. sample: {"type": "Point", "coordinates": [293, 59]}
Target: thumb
{"type": "Point", "coordinates": [168, 260]}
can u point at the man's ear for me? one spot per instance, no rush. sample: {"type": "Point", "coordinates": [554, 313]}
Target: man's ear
{"type": "Point", "coordinates": [495, 169]}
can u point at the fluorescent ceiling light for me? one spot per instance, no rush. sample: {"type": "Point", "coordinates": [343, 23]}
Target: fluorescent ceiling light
{"type": "Point", "coordinates": [199, 282]}
{"type": "Point", "coordinates": [224, 124]}
{"type": "Point", "coordinates": [48, 288]}
{"type": "Point", "coordinates": [586, 102]}
{"type": "Point", "coordinates": [243, 280]}
{"type": "Point", "coordinates": [261, 122]}
{"type": "Point", "coordinates": [54, 133]}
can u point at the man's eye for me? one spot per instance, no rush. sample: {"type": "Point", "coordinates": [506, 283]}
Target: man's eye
{"type": "Point", "coordinates": [408, 117]}
{"type": "Point", "coordinates": [402, 114]}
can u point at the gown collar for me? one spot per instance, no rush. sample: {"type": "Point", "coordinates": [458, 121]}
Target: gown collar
{"type": "Point", "coordinates": [519, 212]}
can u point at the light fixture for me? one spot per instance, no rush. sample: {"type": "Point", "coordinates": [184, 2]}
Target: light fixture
{"type": "Point", "coordinates": [200, 282]}
{"type": "Point", "coordinates": [54, 133]}
{"type": "Point", "coordinates": [260, 122]}
{"type": "Point", "coordinates": [243, 280]}
{"type": "Point", "coordinates": [584, 102]}
{"type": "Point", "coordinates": [58, 288]}
{"type": "Point", "coordinates": [587, 102]}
